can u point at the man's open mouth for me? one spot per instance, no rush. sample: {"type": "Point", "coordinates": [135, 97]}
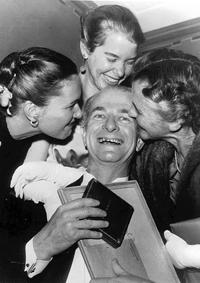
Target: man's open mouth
{"type": "Point", "coordinates": [110, 141]}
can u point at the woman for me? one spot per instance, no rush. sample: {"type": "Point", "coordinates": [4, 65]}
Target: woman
{"type": "Point", "coordinates": [110, 36]}
{"type": "Point", "coordinates": [166, 97]}
{"type": "Point", "coordinates": [45, 90]}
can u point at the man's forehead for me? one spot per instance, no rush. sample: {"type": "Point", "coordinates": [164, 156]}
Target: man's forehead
{"type": "Point", "coordinates": [111, 96]}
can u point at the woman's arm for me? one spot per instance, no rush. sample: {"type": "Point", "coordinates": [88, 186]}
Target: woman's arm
{"type": "Point", "coordinates": [38, 150]}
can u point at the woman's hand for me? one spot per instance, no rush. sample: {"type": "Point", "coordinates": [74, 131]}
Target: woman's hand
{"type": "Point", "coordinates": [42, 170]}
{"type": "Point", "coordinates": [182, 255]}
{"type": "Point", "coordinates": [122, 276]}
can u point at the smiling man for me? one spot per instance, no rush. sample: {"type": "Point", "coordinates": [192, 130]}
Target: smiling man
{"type": "Point", "coordinates": [110, 136]}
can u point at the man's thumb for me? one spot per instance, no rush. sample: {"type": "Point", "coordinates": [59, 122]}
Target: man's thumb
{"type": "Point", "coordinates": [118, 270]}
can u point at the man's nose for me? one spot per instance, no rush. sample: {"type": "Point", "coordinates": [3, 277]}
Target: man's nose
{"type": "Point", "coordinates": [111, 124]}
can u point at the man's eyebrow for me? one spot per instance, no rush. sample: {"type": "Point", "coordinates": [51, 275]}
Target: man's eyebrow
{"type": "Point", "coordinates": [123, 111]}
{"type": "Point", "coordinates": [98, 108]}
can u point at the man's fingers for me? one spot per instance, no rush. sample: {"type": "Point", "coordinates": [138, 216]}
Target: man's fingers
{"type": "Point", "coordinates": [88, 234]}
{"type": "Point", "coordinates": [80, 202]}
{"type": "Point", "coordinates": [90, 224]}
{"type": "Point", "coordinates": [83, 213]}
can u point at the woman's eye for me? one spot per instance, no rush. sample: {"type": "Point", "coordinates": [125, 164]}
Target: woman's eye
{"type": "Point", "coordinates": [139, 112]}
{"type": "Point", "coordinates": [72, 106]}
{"type": "Point", "coordinates": [130, 62]}
{"type": "Point", "coordinates": [111, 60]}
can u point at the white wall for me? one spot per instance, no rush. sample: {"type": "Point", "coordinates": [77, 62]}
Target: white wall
{"type": "Point", "coordinates": [48, 23]}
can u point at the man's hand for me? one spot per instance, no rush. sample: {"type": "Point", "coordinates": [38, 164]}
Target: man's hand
{"type": "Point", "coordinates": [122, 276]}
{"type": "Point", "coordinates": [67, 226]}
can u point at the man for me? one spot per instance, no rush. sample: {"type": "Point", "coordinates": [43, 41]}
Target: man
{"type": "Point", "coordinates": [110, 135]}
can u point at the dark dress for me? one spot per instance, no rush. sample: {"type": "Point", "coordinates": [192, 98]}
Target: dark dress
{"type": "Point", "coordinates": [20, 220]}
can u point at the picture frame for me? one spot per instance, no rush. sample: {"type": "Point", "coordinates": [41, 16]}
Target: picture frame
{"type": "Point", "coordinates": [142, 252]}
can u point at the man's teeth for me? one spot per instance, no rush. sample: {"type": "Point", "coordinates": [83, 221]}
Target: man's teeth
{"type": "Point", "coordinates": [104, 140]}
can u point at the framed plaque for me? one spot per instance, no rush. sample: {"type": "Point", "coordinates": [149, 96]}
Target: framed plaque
{"type": "Point", "coordinates": [142, 251]}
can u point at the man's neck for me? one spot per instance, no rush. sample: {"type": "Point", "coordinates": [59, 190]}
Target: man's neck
{"type": "Point", "coordinates": [107, 172]}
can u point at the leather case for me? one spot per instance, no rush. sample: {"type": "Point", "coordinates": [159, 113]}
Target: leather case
{"type": "Point", "coordinates": [119, 212]}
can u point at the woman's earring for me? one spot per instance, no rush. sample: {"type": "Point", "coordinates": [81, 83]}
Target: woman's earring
{"type": "Point", "coordinates": [82, 70]}
{"type": "Point", "coordinates": [8, 108]}
{"type": "Point", "coordinates": [34, 123]}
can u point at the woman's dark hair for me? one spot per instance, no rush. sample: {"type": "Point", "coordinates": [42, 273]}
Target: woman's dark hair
{"type": "Point", "coordinates": [173, 77]}
{"type": "Point", "coordinates": [35, 74]}
{"type": "Point", "coordinates": [97, 22]}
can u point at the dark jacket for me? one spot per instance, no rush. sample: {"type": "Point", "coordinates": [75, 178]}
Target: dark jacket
{"type": "Point", "coordinates": [150, 168]}
{"type": "Point", "coordinates": [20, 220]}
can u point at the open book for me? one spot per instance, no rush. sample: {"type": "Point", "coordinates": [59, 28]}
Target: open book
{"type": "Point", "coordinates": [142, 251]}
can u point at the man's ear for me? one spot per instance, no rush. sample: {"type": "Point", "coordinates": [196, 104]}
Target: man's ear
{"type": "Point", "coordinates": [31, 111]}
{"type": "Point", "coordinates": [175, 126]}
{"type": "Point", "coordinates": [84, 49]}
{"type": "Point", "coordinates": [139, 145]}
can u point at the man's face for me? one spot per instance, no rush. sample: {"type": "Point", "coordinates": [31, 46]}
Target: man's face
{"type": "Point", "coordinates": [151, 124]}
{"type": "Point", "coordinates": [111, 135]}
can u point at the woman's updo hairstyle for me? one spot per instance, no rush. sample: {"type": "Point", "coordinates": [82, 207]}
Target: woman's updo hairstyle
{"type": "Point", "coordinates": [35, 74]}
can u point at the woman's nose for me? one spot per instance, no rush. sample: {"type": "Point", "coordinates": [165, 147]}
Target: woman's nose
{"type": "Point", "coordinates": [132, 112]}
{"type": "Point", "coordinates": [77, 112]}
{"type": "Point", "coordinates": [120, 69]}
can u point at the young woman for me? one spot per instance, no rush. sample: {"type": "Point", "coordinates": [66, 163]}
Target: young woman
{"type": "Point", "coordinates": [44, 91]}
{"type": "Point", "coordinates": [110, 36]}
